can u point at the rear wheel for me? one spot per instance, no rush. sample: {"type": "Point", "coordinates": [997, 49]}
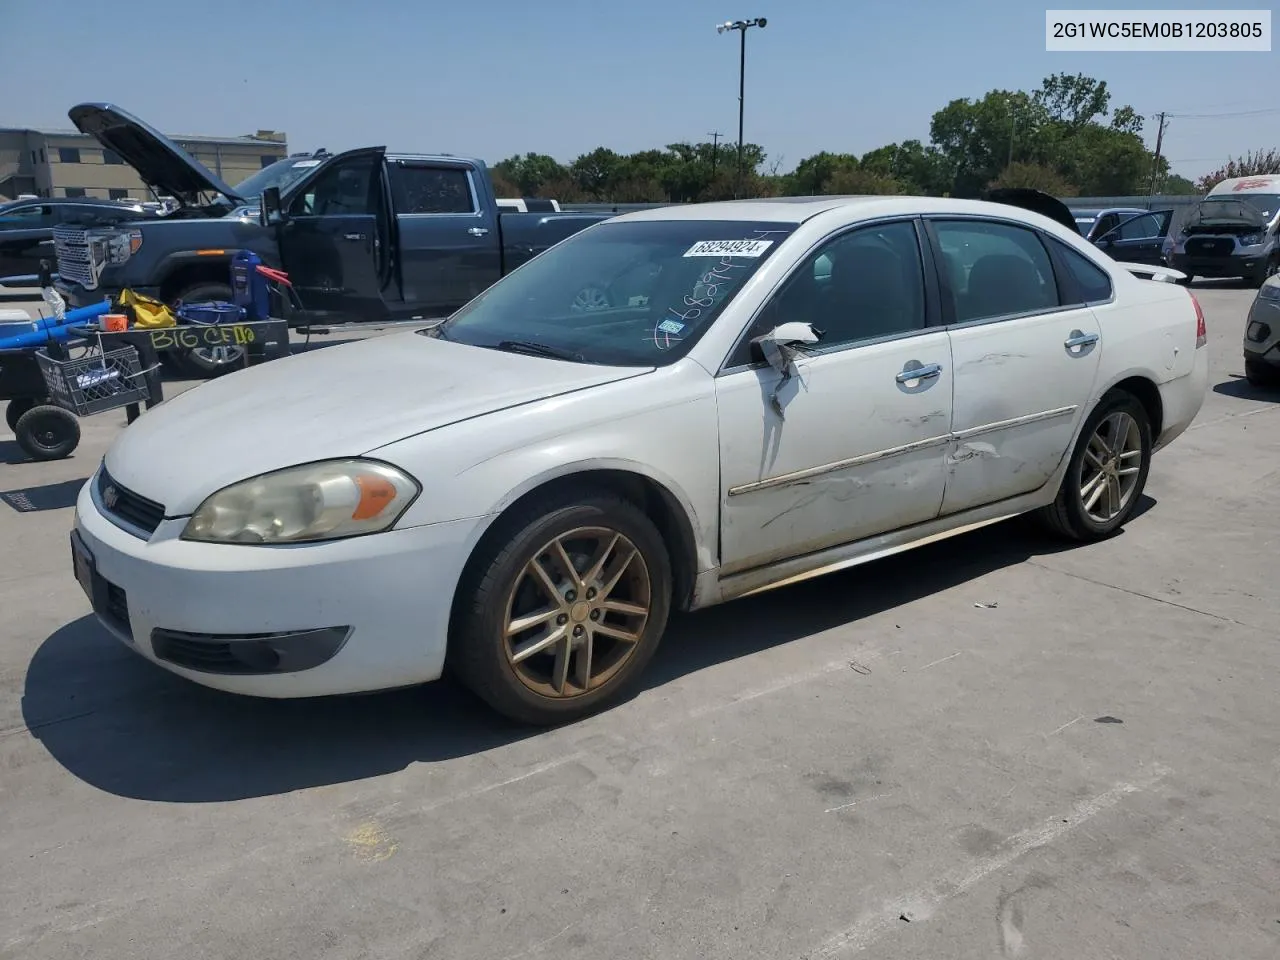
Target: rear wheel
{"type": "Point", "coordinates": [562, 608]}
{"type": "Point", "coordinates": [1261, 374]}
{"type": "Point", "coordinates": [17, 407]}
{"type": "Point", "coordinates": [205, 363]}
{"type": "Point", "coordinates": [47, 432]}
{"type": "Point", "coordinates": [1106, 474]}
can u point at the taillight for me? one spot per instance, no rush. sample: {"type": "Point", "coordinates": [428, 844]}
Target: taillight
{"type": "Point", "coordinates": [1202, 336]}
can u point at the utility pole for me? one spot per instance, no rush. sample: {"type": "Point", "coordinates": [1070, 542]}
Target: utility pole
{"type": "Point", "coordinates": [1155, 163]}
{"type": "Point", "coordinates": [715, 136]}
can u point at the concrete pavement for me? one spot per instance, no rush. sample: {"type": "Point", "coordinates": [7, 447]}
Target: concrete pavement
{"type": "Point", "coordinates": [990, 747]}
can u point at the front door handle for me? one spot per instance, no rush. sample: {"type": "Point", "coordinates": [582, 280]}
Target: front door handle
{"type": "Point", "coordinates": [921, 371]}
{"type": "Point", "coordinates": [478, 231]}
{"type": "Point", "coordinates": [353, 237]}
{"type": "Point", "coordinates": [1078, 340]}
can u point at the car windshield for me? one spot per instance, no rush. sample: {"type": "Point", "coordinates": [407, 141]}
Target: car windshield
{"type": "Point", "coordinates": [279, 174]}
{"type": "Point", "coordinates": [631, 293]}
{"type": "Point", "coordinates": [1240, 206]}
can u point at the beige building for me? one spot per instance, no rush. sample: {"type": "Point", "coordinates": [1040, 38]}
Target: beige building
{"type": "Point", "coordinates": [60, 163]}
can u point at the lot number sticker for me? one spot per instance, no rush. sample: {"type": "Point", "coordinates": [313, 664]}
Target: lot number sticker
{"type": "Point", "coordinates": [728, 248]}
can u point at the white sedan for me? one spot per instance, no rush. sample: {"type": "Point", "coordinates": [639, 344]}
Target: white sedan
{"type": "Point", "coordinates": [754, 393]}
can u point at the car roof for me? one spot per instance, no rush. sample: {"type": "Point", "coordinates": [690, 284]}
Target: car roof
{"type": "Point", "coordinates": [796, 210]}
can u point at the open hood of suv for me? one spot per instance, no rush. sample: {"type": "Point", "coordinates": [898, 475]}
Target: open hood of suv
{"type": "Point", "coordinates": [161, 163]}
{"type": "Point", "coordinates": [1037, 201]}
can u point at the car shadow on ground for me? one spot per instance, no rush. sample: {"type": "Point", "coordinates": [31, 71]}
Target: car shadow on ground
{"type": "Point", "coordinates": [130, 728]}
{"type": "Point", "coordinates": [50, 496]}
{"type": "Point", "coordinates": [1241, 389]}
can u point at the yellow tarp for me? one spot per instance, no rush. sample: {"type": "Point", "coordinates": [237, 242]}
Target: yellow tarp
{"type": "Point", "coordinates": [148, 313]}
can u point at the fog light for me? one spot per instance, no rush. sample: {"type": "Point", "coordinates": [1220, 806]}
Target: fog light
{"type": "Point", "coordinates": [1257, 331]}
{"type": "Point", "coordinates": [251, 653]}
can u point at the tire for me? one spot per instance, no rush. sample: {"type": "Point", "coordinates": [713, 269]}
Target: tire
{"type": "Point", "coordinates": [47, 432]}
{"type": "Point", "coordinates": [205, 363]}
{"type": "Point", "coordinates": [499, 587]}
{"type": "Point", "coordinates": [590, 298]}
{"type": "Point", "coordinates": [1269, 270]}
{"type": "Point", "coordinates": [16, 408]}
{"type": "Point", "coordinates": [1069, 516]}
{"type": "Point", "coordinates": [1261, 375]}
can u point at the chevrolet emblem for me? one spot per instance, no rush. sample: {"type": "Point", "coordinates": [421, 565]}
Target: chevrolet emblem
{"type": "Point", "coordinates": [110, 497]}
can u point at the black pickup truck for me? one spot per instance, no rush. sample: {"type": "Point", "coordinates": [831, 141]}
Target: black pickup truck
{"type": "Point", "coordinates": [366, 236]}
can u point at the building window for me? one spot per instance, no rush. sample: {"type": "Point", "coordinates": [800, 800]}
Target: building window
{"type": "Point", "coordinates": [69, 155]}
{"type": "Point", "coordinates": [42, 154]}
{"type": "Point", "coordinates": [33, 157]}
{"type": "Point", "coordinates": [115, 193]}
{"type": "Point", "coordinates": [111, 157]}
{"type": "Point", "coordinates": [267, 159]}
{"type": "Point", "coordinates": [73, 191]}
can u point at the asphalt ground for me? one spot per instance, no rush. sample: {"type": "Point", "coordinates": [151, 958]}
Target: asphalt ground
{"type": "Point", "coordinates": [990, 747]}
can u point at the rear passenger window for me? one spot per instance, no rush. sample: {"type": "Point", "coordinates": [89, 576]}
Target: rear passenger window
{"type": "Point", "coordinates": [433, 189]}
{"type": "Point", "coordinates": [995, 269]}
{"type": "Point", "coordinates": [1086, 282]}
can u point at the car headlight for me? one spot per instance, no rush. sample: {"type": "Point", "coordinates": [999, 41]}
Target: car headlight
{"type": "Point", "coordinates": [1251, 240]}
{"type": "Point", "coordinates": [1269, 291]}
{"type": "Point", "coordinates": [319, 501]}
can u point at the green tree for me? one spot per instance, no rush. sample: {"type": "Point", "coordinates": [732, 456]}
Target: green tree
{"type": "Point", "coordinates": [530, 172]}
{"type": "Point", "coordinates": [1034, 176]}
{"type": "Point", "coordinates": [1258, 163]}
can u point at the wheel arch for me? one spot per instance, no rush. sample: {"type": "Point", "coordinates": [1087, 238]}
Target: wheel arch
{"type": "Point", "coordinates": [1143, 387]}
{"type": "Point", "coordinates": [181, 271]}
{"type": "Point", "coordinates": [658, 496]}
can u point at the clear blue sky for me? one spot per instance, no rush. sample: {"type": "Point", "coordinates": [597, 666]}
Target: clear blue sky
{"type": "Point", "coordinates": [563, 76]}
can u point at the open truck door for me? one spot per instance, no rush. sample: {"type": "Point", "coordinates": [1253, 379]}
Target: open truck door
{"type": "Point", "coordinates": [1137, 239]}
{"type": "Point", "coordinates": [334, 236]}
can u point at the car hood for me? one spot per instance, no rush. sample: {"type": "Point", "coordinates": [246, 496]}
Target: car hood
{"type": "Point", "coordinates": [338, 401]}
{"type": "Point", "coordinates": [160, 162]}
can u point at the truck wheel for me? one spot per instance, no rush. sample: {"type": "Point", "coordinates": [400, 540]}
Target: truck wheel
{"type": "Point", "coordinates": [561, 607]}
{"type": "Point", "coordinates": [17, 407]}
{"type": "Point", "coordinates": [205, 363]}
{"type": "Point", "coordinates": [47, 432]}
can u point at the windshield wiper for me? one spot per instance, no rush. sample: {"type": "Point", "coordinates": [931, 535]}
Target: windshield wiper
{"type": "Point", "coordinates": [538, 350]}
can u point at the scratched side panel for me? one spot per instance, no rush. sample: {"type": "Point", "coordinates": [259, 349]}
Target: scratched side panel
{"type": "Point", "coordinates": [1007, 374]}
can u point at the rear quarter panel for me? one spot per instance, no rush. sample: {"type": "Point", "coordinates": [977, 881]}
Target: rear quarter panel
{"type": "Point", "coordinates": [1148, 330]}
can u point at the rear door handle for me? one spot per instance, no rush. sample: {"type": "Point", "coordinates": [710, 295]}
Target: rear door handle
{"type": "Point", "coordinates": [921, 371]}
{"type": "Point", "coordinates": [353, 237]}
{"type": "Point", "coordinates": [1079, 339]}
{"type": "Point", "coordinates": [478, 231]}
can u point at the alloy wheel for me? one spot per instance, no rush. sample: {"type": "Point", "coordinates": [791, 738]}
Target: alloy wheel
{"type": "Point", "coordinates": [577, 612]}
{"type": "Point", "coordinates": [1110, 468]}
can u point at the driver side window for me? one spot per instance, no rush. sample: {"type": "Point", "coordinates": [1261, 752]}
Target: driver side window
{"type": "Point", "coordinates": [346, 189]}
{"type": "Point", "coordinates": [864, 284]}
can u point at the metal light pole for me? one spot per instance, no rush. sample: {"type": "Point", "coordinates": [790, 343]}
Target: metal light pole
{"type": "Point", "coordinates": [742, 26]}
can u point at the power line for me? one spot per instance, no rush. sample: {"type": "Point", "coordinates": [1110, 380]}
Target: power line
{"type": "Point", "coordinates": [1226, 116]}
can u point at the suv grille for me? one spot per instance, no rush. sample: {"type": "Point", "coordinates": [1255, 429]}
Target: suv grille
{"type": "Point", "coordinates": [1211, 246]}
{"type": "Point", "coordinates": [75, 256]}
{"type": "Point", "coordinates": [123, 504]}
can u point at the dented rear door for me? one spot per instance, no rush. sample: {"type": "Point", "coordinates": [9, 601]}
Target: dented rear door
{"type": "Point", "coordinates": [1023, 366]}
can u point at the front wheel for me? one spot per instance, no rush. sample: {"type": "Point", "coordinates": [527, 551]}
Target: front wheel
{"type": "Point", "coordinates": [1269, 270]}
{"type": "Point", "coordinates": [17, 407]}
{"type": "Point", "coordinates": [205, 363]}
{"type": "Point", "coordinates": [1106, 474]}
{"type": "Point", "coordinates": [561, 608]}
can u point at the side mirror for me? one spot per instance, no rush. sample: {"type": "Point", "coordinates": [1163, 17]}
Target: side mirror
{"type": "Point", "coordinates": [270, 211]}
{"type": "Point", "coordinates": [779, 348]}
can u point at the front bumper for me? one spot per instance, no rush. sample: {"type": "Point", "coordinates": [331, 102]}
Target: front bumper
{"type": "Point", "coordinates": [1235, 265]}
{"type": "Point", "coordinates": [388, 595]}
{"type": "Point", "coordinates": [77, 296]}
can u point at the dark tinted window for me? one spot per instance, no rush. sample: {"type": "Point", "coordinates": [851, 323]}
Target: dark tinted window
{"type": "Point", "coordinates": [111, 157]}
{"type": "Point", "coordinates": [73, 191]}
{"type": "Point", "coordinates": [69, 154]}
{"type": "Point", "coordinates": [1144, 227]}
{"type": "Point", "coordinates": [424, 189]}
{"type": "Point", "coordinates": [266, 160]}
{"type": "Point", "coordinates": [995, 269]}
{"type": "Point", "coordinates": [864, 284]}
{"type": "Point", "coordinates": [115, 193]}
{"type": "Point", "coordinates": [341, 189]}
{"type": "Point", "coordinates": [1086, 282]}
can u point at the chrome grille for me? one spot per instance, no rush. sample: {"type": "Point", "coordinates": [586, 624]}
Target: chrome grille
{"type": "Point", "coordinates": [75, 256]}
